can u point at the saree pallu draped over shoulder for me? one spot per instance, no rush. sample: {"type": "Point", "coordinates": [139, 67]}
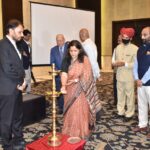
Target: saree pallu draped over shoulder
{"type": "Point", "coordinates": [81, 103]}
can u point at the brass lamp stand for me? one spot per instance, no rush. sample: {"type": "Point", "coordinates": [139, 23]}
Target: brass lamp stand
{"type": "Point", "coordinates": [54, 139]}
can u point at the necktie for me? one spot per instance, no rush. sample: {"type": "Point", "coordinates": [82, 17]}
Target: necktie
{"type": "Point", "coordinates": [61, 52]}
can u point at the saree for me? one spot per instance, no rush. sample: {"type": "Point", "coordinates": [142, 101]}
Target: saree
{"type": "Point", "coordinates": [81, 103]}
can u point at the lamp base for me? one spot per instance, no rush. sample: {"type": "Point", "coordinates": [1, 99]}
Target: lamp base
{"type": "Point", "coordinates": [54, 140]}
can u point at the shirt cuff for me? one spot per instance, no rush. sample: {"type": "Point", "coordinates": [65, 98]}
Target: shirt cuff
{"type": "Point", "coordinates": [126, 64]}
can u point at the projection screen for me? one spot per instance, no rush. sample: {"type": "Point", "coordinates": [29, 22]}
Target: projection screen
{"type": "Point", "coordinates": [47, 21]}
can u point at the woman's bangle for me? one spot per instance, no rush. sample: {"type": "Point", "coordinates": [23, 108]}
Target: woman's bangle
{"type": "Point", "coordinates": [75, 80]}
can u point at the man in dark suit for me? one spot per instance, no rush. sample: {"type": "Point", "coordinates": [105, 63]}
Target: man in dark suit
{"type": "Point", "coordinates": [56, 56]}
{"type": "Point", "coordinates": [24, 46]}
{"type": "Point", "coordinates": [12, 84]}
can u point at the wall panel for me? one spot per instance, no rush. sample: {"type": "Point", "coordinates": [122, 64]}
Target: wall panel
{"type": "Point", "coordinates": [10, 10]}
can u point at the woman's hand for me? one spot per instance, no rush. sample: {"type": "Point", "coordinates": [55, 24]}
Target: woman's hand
{"type": "Point", "coordinates": [72, 81]}
{"type": "Point", "coordinates": [63, 90]}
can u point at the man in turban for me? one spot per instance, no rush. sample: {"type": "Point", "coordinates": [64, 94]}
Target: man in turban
{"type": "Point", "coordinates": [124, 58]}
{"type": "Point", "coordinates": [127, 31]}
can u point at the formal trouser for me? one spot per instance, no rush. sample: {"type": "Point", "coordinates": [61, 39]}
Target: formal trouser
{"type": "Point", "coordinates": [115, 88]}
{"type": "Point", "coordinates": [11, 115]}
{"type": "Point", "coordinates": [60, 99]}
{"type": "Point", "coordinates": [28, 79]}
{"type": "Point", "coordinates": [143, 105]}
{"type": "Point", "coordinates": [32, 77]}
{"type": "Point", "coordinates": [125, 91]}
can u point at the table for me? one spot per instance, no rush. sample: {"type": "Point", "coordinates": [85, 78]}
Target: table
{"type": "Point", "coordinates": [42, 144]}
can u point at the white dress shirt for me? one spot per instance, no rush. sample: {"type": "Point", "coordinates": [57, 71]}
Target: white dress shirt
{"type": "Point", "coordinates": [146, 76]}
{"type": "Point", "coordinates": [91, 50]}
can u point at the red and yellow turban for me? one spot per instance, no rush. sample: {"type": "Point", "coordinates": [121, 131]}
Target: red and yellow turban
{"type": "Point", "coordinates": [127, 31]}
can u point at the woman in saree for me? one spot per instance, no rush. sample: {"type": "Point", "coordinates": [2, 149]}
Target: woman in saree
{"type": "Point", "coordinates": [81, 101]}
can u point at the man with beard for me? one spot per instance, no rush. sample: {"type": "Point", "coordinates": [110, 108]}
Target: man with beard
{"type": "Point", "coordinates": [12, 84]}
{"type": "Point", "coordinates": [142, 76]}
{"type": "Point", "coordinates": [124, 60]}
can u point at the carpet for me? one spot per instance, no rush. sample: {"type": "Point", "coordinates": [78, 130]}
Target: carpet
{"type": "Point", "coordinates": [109, 134]}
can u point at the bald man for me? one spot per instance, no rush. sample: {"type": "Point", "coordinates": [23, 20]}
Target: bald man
{"type": "Point", "coordinates": [142, 77]}
{"type": "Point", "coordinates": [56, 56]}
{"type": "Point", "coordinates": [91, 50]}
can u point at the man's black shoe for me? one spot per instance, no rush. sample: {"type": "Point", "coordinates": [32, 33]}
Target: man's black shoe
{"type": "Point", "coordinates": [99, 114]}
{"type": "Point", "coordinates": [119, 116]}
{"type": "Point", "coordinates": [20, 145]}
{"type": "Point", "coordinates": [7, 147]}
{"type": "Point", "coordinates": [35, 84]}
{"type": "Point", "coordinates": [127, 119]}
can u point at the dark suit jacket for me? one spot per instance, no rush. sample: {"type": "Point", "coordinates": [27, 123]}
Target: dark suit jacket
{"type": "Point", "coordinates": [23, 46]}
{"type": "Point", "coordinates": [11, 68]}
{"type": "Point", "coordinates": [55, 56]}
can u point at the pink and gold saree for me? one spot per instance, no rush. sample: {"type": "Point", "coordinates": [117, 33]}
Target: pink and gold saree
{"type": "Point", "coordinates": [81, 103]}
